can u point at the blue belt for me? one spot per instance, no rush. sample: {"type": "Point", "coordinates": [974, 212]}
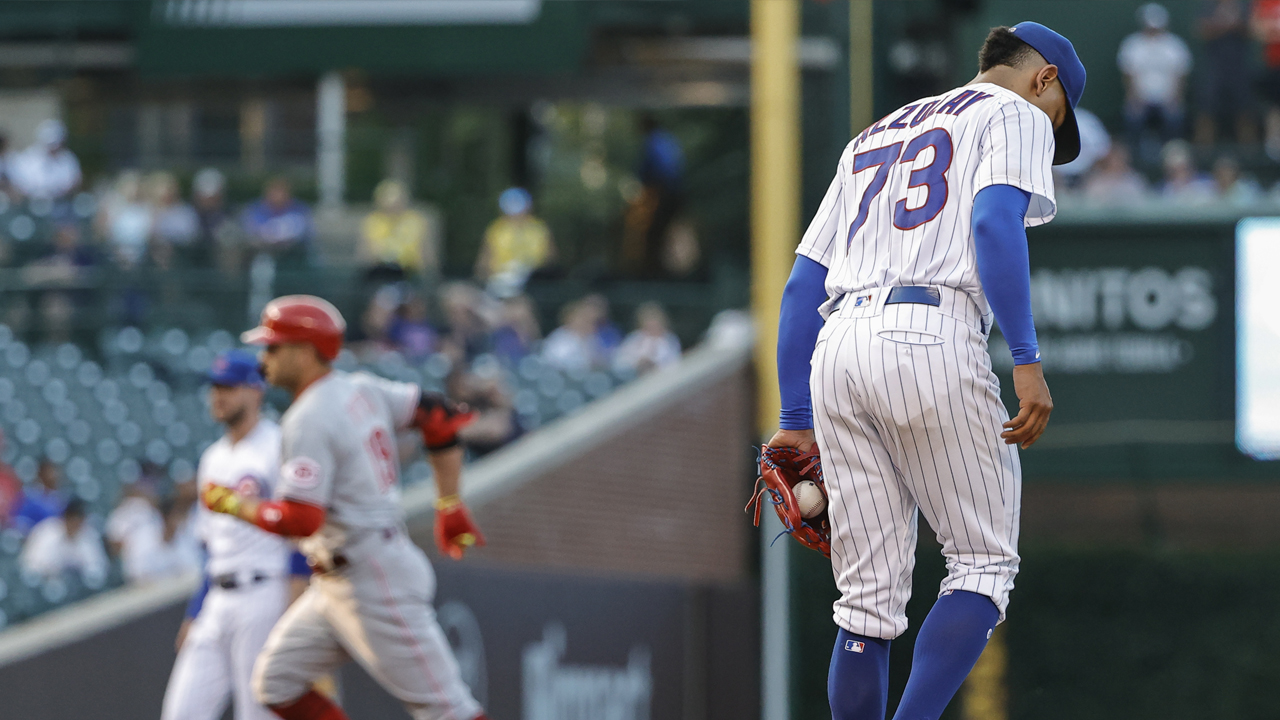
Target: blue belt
{"type": "Point", "coordinates": [917, 294]}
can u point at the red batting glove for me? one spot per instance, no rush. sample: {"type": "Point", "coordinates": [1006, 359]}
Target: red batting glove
{"type": "Point", "coordinates": [455, 530]}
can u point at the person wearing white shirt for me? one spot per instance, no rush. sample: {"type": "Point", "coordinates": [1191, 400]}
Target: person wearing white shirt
{"type": "Point", "coordinates": [134, 513]}
{"type": "Point", "coordinates": [575, 346]}
{"type": "Point", "coordinates": [248, 571]}
{"type": "Point", "coordinates": [64, 544]}
{"type": "Point", "coordinates": [1155, 64]}
{"type": "Point", "coordinates": [651, 345]}
{"type": "Point", "coordinates": [159, 550]}
{"type": "Point", "coordinates": [47, 170]}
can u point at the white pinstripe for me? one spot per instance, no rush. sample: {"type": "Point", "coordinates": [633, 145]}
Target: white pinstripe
{"type": "Point", "coordinates": [1000, 140]}
{"type": "Point", "coordinates": [907, 415]}
{"type": "Point", "coordinates": [907, 411]}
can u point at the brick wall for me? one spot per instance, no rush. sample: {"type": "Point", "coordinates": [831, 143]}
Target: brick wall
{"type": "Point", "coordinates": [663, 497]}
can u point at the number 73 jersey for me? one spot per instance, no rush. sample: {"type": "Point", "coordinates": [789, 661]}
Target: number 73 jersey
{"type": "Point", "coordinates": [900, 209]}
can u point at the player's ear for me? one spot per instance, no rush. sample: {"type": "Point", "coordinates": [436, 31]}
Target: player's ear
{"type": "Point", "coordinates": [1044, 79]}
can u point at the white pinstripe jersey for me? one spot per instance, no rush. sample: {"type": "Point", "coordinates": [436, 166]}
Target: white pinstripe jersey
{"type": "Point", "coordinates": [899, 211]}
{"type": "Point", "coordinates": [251, 467]}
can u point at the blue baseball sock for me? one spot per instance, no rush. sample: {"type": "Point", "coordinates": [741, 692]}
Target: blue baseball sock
{"type": "Point", "coordinates": [950, 641]}
{"type": "Point", "coordinates": [858, 683]}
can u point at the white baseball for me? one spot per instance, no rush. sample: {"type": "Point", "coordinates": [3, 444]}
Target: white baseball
{"type": "Point", "coordinates": [809, 499]}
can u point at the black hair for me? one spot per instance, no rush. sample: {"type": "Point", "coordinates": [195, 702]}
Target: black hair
{"type": "Point", "coordinates": [75, 508]}
{"type": "Point", "coordinates": [1003, 47]}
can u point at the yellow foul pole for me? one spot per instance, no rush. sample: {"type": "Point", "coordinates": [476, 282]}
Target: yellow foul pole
{"type": "Point", "coordinates": [861, 79]}
{"type": "Point", "coordinates": [775, 181]}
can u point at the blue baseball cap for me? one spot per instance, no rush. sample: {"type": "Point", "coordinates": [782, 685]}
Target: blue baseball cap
{"type": "Point", "coordinates": [235, 367]}
{"type": "Point", "coordinates": [1058, 50]}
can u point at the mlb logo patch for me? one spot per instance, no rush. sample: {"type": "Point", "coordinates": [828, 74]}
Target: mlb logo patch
{"type": "Point", "coordinates": [859, 301]}
{"type": "Point", "coordinates": [854, 646]}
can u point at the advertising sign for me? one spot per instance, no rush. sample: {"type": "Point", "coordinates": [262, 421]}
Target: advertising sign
{"type": "Point", "coordinates": [1137, 336]}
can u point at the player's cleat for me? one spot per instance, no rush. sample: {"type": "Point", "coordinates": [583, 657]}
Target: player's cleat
{"type": "Point", "coordinates": [311, 706]}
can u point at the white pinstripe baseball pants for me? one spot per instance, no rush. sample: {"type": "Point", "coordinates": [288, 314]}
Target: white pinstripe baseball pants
{"type": "Point", "coordinates": [908, 416]}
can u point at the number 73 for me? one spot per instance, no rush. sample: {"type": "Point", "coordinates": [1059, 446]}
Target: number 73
{"type": "Point", "coordinates": [932, 177]}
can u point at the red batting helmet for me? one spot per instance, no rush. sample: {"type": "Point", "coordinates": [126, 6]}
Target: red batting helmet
{"type": "Point", "coordinates": [300, 319]}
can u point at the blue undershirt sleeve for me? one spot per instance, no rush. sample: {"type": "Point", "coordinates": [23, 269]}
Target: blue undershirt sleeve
{"type": "Point", "coordinates": [197, 600]}
{"type": "Point", "coordinates": [1004, 265]}
{"type": "Point", "coordinates": [298, 566]}
{"type": "Point", "coordinates": [798, 326]}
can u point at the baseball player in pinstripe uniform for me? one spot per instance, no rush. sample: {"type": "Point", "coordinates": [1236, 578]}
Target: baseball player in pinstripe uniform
{"type": "Point", "coordinates": [918, 243]}
{"type": "Point", "coordinates": [250, 575]}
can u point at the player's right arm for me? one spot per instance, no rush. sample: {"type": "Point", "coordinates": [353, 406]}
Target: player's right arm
{"type": "Point", "coordinates": [799, 321]}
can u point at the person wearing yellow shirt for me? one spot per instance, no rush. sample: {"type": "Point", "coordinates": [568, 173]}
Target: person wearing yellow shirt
{"type": "Point", "coordinates": [395, 235]}
{"type": "Point", "coordinates": [515, 244]}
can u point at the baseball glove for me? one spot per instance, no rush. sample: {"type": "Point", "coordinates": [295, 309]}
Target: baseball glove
{"type": "Point", "coordinates": [780, 469]}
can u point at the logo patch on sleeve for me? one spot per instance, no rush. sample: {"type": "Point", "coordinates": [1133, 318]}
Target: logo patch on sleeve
{"type": "Point", "coordinates": [301, 472]}
{"type": "Point", "coordinates": [854, 646]}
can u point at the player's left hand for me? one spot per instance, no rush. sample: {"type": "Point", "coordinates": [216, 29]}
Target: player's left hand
{"type": "Point", "coordinates": [802, 440]}
{"type": "Point", "coordinates": [1034, 406]}
{"type": "Point", "coordinates": [221, 499]}
{"type": "Point", "coordinates": [455, 530]}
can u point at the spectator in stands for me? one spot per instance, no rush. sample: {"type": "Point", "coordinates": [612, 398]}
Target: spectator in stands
{"type": "Point", "coordinates": [651, 345]}
{"type": "Point", "coordinates": [10, 490]}
{"type": "Point", "coordinates": [59, 273]}
{"type": "Point", "coordinates": [376, 321]}
{"type": "Point", "coordinates": [1233, 187]}
{"type": "Point", "coordinates": [45, 499]}
{"type": "Point", "coordinates": [135, 512]}
{"type": "Point", "coordinates": [174, 224]}
{"type": "Point", "coordinates": [515, 245]}
{"type": "Point", "coordinates": [467, 314]}
{"type": "Point", "coordinates": [65, 543]}
{"type": "Point", "coordinates": [47, 170]}
{"type": "Point", "coordinates": [488, 396]}
{"type": "Point", "coordinates": [125, 220]}
{"type": "Point", "coordinates": [215, 234]}
{"type": "Point", "coordinates": [1155, 63]}
{"type": "Point", "coordinates": [576, 344]}
{"type": "Point", "coordinates": [4, 163]}
{"type": "Point", "coordinates": [661, 175]}
{"type": "Point", "coordinates": [160, 550]}
{"type": "Point", "coordinates": [279, 224]}
{"type": "Point", "coordinates": [518, 330]}
{"type": "Point", "coordinates": [410, 332]}
{"type": "Point", "coordinates": [394, 238]}
{"type": "Point", "coordinates": [1225, 89]}
{"type": "Point", "coordinates": [608, 334]}
{"type": "Point", "coordinates": [1183, 184]}
{"type": "Point", "coordinates": [1264, 21]}
{"type": "Point", "coordinates": [1095, 143]}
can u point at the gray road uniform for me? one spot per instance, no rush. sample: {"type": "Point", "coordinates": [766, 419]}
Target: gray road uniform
{"type": "Point", "coordinates": [373, 602]}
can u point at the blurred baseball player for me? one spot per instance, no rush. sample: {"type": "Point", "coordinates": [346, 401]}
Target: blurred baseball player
{"type": "Point", "coordinates": [247, 575]}
{"type": "Point", "coordinates": [920, 239]}
{"type": "Point", "coordinates": [370, 598]}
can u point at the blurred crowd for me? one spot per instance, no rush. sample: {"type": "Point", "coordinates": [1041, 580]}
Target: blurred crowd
{"type": "Point", "coordinates": [1192, 135]}
{"type": "Point", "coordinates": [149, 532]}
{"type": "Point", "coordinates": [484, 338]}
